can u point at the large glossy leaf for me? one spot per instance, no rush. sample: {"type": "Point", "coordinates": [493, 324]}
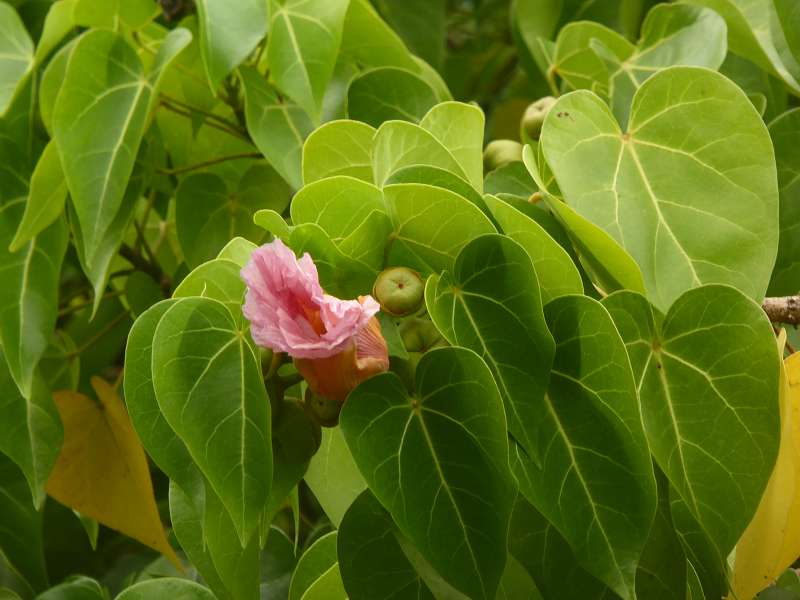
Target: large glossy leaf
{"type": "Point", "coordinates": [158, 438]}
{"type": "Point", "coordinates": [213, 397]}
{"type": "Point", "coordinates": [339, 148]}
{"type": "Point", "coordinates": [545, 554]}
{"type": "Point", "coordinates": [48, 192]}
{"type": "Point", "coordinates": [30, 431]}
{"type": "Point", "coordinates": [399, 144]}
{"type": "Point", "coordinates": [166, 588]}
{"type": "Point", "coordinates": [491, 305]}
{"type": "Point", "coordinates": [689, 190]}
{"type": "Point", "coordinates": [333, 476]}
{"type": "Point", "coordinates": [609, 265]}
{"type": "Point", "coordinates": [99, 120]}
{"type": "Point", "coordinates": [209, 212]}
{"type": "Point", "coordinates": [29, 296]}
{"type": "Point", "coordinates": [102, 469]}
{"type": "Point", "coordinates": [785, 132]}
{"type": "Point", "coordinates": [228, 33]}
{"type": "Point", "coordinates": [595, 483]}
{"type": "Point", "coordinates": [388, 93]}
{"type": "Point", "coordinates": [317, 574]}
{"type": "Point", "coordinates": [367, 40]}
{"type": "Point", "coordinates": [460, 127]}
{"type": "Point", "coordinates": [371, 559]}
{"type": "Point", "coordinates": [555, 270]}
{"type": "Point", "coordinates": [431, 225]}
{"type": "Point", "coordinates": [672, 34]}
{"type": "Point", "coordinates": [438, 461]}
{"type": "Point", "coordinates": [707, 376]}
{"type": "Point", "coordinates": [16, 55]}
{"type": "Point", "coordinates": [21, 540]}
{"type": "Point", "coordinates": [303, 42]}
{"type": "Point", "coordinates": [277, 127]}
{"type": "Point", "coordinates": [218, 279]}
{"type": "Point", "coordinates": [755, 33]}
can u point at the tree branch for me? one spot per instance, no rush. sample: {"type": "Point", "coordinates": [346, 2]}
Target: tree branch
{"type": "Point", "coordinates": [784, 309]}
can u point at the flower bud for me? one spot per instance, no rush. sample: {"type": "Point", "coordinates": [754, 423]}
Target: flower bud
{"type": "Point", "coordinates": [499, 153]}
{"type": "Point", "coordinates": [533, 119]}
{"type": "Point", "coordinates": [399, 291]}
{"type": "Point", "coordinates": [323, 411]}
{"type": "Point", "coordinates": [419, 335]}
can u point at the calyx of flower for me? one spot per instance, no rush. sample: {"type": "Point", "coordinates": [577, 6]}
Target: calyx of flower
{"type": "Point", "coordinates": [399, 290]}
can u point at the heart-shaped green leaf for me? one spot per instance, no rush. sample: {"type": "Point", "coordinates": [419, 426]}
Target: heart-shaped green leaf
{"type": "Point", "coordinates": [460, 127]}
{"type": "Point", "coordinates": [491, 305]}
{"type": "Point", "coordinates": [99, 121]}
{"type": "Point", "coordinates": [371, 561]}
{"type": "Point", "coordinates": [315, 567]}
{"type": "Point", "coordinates": [218, 279]}
{"type": "Point", "coordinates": [431, 225]}
{"type": "Point", "coordinates": [339, 148]}
{"type": "Point", "coordinates": [278, 128]}
{"type": "Point", "coordinates": [16, 55]}
{"type": "Point", "coordinates": [785, 133]}
{"type": "Point", "coordinates": [367, 40]}
{"type": "Point", "coordinates": [707, 376]}
{"type": "Point", "coordinates": [438, 461]}
{"type": "Point", "coordinates": [595, 483]}
{"type": "Point", "coordinates": [304, 39]}
{"type": "Point", "coordinates": [555, 271]}
{"type": "Point", "coordinates": [29, 295]}
{"type": "Point", "coordinates": [388, 93]}
{"type": "Point", "coordinates": [689, 190]}
{"type": "Point", "coordinates": [228, 33]}
{"type": "Point", "coordinates": [213, 397]}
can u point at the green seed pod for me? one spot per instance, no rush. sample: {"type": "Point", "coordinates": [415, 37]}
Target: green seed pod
{"type": "Point", "coordinates": [400, 291]}
{"type": "Point", "coordinates": [533, 119]}
{"type": "Point", "coordinates": [322, 411]}
{"type": "Point", "coordinates": [501, 152]}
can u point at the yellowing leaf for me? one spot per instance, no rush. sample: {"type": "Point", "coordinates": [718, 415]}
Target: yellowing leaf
{"type": "Point", "coordinates": [771, 543]}
{"type": "Point", "coordinates": [102, 470]}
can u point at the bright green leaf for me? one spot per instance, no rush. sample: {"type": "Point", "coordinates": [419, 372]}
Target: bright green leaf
{"type": "Point", "coordinates": [339, 148]}
{"type": "Point", "coordinates": [278, 128]}
{"type": "Point", "coordinates": [16, 55]}
{"type": "Point", "coordinates": [315, 562]}
{"type": "Point", "coordinates": [491, 305]}
{"type": "Point", "coordinates": [438, 461]}
{"type": "Point", "coordinates": [214, 399]}
{"type": "Point", "coordinates": [460, 127]}
{"type": "Point", "coordinates": [707, 376]}
{"type": "Point", "coordinates": [689, 191]}
{"type": "Point", "coordinates": [367, 40]}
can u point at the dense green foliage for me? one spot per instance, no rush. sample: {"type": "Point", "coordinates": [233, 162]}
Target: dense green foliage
{"type": "Point", "coordinates": [590, 201]}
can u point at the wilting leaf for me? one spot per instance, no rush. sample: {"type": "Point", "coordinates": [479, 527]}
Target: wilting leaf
{"type": "Point", "coordinates": [437, 460]}
{"type": "Point", "coordinates": [102, 470]}
{"type": "Point", "coordinates": [771, 542]}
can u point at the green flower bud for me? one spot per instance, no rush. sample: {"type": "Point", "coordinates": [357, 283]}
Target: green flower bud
{"type": "Point", "coordinates": [420, 335]}
{"type": "Point", "coordinates": [533, 119]}
{"type": "Point", "coordinates": [501, 152]}
{"type": "Point", "coordinates": [400, 291]}
{"type": "Point", "coordinates": [323, 411]}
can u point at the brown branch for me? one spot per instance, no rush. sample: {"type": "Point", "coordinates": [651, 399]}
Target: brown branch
{"type": "Point", "coordinates": [208, 163]}
{"type": "Point", "coordinates": [784, 309]}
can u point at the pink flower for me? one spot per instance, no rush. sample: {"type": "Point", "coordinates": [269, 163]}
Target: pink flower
{"type": "Point", "coordinates": [289, 312]}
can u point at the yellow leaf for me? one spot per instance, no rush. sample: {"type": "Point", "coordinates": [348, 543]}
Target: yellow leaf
{"type": "Point", "coordinates": [771, 542]}
{"type": "Point", "coordinates": [102, 470]}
